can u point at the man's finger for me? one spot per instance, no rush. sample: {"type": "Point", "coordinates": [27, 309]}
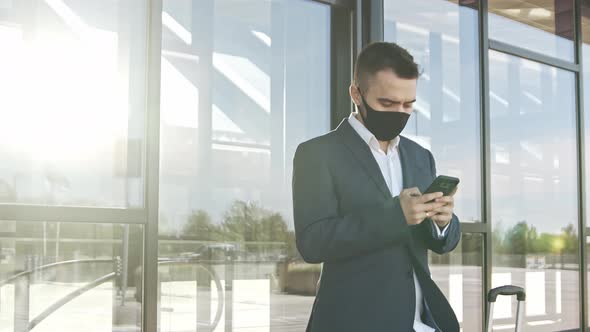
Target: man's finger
{"type": "Point", "coordinates": [443, 209]}
{"type": "Point", "coordinates": [445, 199]}
{"type": "Point", "coordinates": [426, 207]}
{"type": "Point", "coordinates": [414, 191]}
{"type": "Point", "coordinates": [428, 197]}
{"type": "Point", "coordinates": [420, 216]}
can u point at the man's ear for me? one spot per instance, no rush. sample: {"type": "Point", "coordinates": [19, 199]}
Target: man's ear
{"type": "Point", "coordinates": [355, 95]}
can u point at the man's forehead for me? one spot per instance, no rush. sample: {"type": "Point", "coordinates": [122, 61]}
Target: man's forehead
{"type": "Point", "coordinates": [392, 93]}
{"type": "Point", "coordinates": [386, 84]}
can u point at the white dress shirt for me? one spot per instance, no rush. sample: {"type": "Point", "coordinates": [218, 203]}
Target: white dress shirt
{"type": "Point", "coordinates": [390, 166]}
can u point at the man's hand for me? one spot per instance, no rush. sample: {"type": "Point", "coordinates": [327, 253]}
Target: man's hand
{"type": "Point", "coordinates": [442, 215]}
{"type": "Point", "coordinates": [415, 206]}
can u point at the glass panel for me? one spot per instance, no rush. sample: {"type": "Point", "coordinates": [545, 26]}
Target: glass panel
{"type": "Point", "coordinates": [442, 37]}
{"type": "Point", "coordinates": [542, 26]}
{"type": "Point", "coordinates": [70, 277]}
{"type": "Point", "coordinates": [459, 276]}
{"type": "Point", "coordinates": [73, 100]}
{"type": "Point", "coordinates": [243, 83]}
{"type": "Point", "coordinates": [533, 187]}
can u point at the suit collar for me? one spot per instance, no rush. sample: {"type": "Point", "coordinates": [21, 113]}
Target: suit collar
{"type": "Point", "coordinates": [363, 155]}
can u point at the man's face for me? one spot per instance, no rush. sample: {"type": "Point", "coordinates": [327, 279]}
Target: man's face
{"type": "Point", "coordinates": [386, 92]}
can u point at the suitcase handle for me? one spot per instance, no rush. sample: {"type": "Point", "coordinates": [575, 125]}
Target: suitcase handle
{"type": "Point", "coordinates": [507, 290]}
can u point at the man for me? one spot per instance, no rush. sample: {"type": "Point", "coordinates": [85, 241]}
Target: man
{"type": "Point", "coordinates": [353, 215]}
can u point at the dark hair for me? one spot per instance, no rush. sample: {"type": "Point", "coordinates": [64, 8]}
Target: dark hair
{"type": "Point", "coordinates": [382, 55]}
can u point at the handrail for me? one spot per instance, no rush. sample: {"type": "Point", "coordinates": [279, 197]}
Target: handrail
{"type": "Point", "coordinates": [52, 308]}
{"type": "Point", "coordinates": [64, 300]}
{"type": "Point", "coordinates": [52, 265]}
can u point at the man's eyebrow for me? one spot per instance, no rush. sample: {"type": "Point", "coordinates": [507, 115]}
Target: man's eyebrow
{"type": "Point", "coordinates": [394, 101]}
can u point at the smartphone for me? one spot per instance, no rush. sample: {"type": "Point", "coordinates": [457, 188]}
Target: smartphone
{"type": "Point", "coordinates": [444, 184]}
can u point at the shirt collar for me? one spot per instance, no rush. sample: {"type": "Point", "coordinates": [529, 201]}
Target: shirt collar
{"type": "Point", "coordinates": [367, 136]}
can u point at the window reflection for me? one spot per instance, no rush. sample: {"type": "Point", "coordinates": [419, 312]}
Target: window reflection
{"type": "Point", "coordinates": [442, 37]}
{"type": "Point", "coordinates": [71, 112]}
{"type": "Point", "coordinates": [70, 276]}
{"type": "Point", "coordinates": [533, 186]}
{"type": "Point", "coordinates": [586, 99]}
{"type": "Point", "coordinates": [459, 276]}
{"type": "Point", "coordinates": [542, 26]}
{"type": "Point", "coordinates": [243, 82]}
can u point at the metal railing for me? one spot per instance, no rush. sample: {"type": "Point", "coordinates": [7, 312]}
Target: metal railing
{"type": "Point", "coordinates": [22, 282]}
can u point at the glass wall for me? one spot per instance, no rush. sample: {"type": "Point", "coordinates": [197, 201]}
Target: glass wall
{"type": "Point", "coordinates": [545, 27]}
{"type": "Point", "coordinates": [243, 83]}
{"type": "Point", "coordinates": [585, 44]}
{"type": "Point", "coordinates": [72, 128]}
{"type": "Point", "coordinates": [442, 37]}
{"type": "Point", "coordinates": [73, 102]}
{"type": "Point", "coordinates": [459, 276]}
{"type": "Point", "coordinates": [70, 276]}
{"type": "Point", "coordinates": [533, 187]}
{"type": "Point", "coordinates": [534, 240]}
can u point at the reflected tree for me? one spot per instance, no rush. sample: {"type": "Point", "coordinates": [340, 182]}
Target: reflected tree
{"type": "Point", "coordinates": [522, 239]}
{"type": "Point", "coordinates": [200, 227]}
{"type": "Point", "coordinates": [250, 222]}
{"type": "Point", "coordinates": [247, 222]}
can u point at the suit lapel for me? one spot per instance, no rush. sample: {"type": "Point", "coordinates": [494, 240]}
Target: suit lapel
{"type": "Point", "coordinates": [406, 162]}
{"type": "Point", "coordinates": [363, 155]}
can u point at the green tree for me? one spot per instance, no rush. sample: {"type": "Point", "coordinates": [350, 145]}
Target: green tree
{"type": "Point", "coordinates": [249, 222]}
{"type": "Point", "coordinates": [570, 239]}
{"type": "Point", "coordinates": [544, 243]}
{"type": "Point", "coordinates": [200, 227]}
{"type": "Point", "coordinates": [498, 238]}
{"type": "Point", "coordinates": [515, 240]}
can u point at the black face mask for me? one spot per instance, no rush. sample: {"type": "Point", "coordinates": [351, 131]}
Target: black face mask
{"type": "Point", "coordinates": [384, 125]}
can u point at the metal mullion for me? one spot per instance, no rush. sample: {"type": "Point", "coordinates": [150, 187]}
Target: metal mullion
{"type": "Point", "coordinates": [341, 41]}
{"type": "Point", "coordinates": [150, 312]}
{"type": "Point", "coordinates": [369, 22]}
{"type": "Point", "coordinates": [485, 152]}
{"type": "Point", "coordinates": [30, 212]}
{"type": "Point", "coordinates": [376, 20]}
{"type": "Point", "coordinates": [583, 296]}
{"type": "Point", "coordinates": [532, 55]}
{"type": "Point", "coordinates": [358, 39]}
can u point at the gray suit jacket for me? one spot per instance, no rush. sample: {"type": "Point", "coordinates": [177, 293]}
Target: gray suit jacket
{"type": "Point", "coordinates": [346, 219]}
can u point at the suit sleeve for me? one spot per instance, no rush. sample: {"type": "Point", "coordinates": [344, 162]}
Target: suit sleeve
{"type": "Point", "coordinates": [449, 241]}
{"type": "Point", "coordinates": [321, 233]}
